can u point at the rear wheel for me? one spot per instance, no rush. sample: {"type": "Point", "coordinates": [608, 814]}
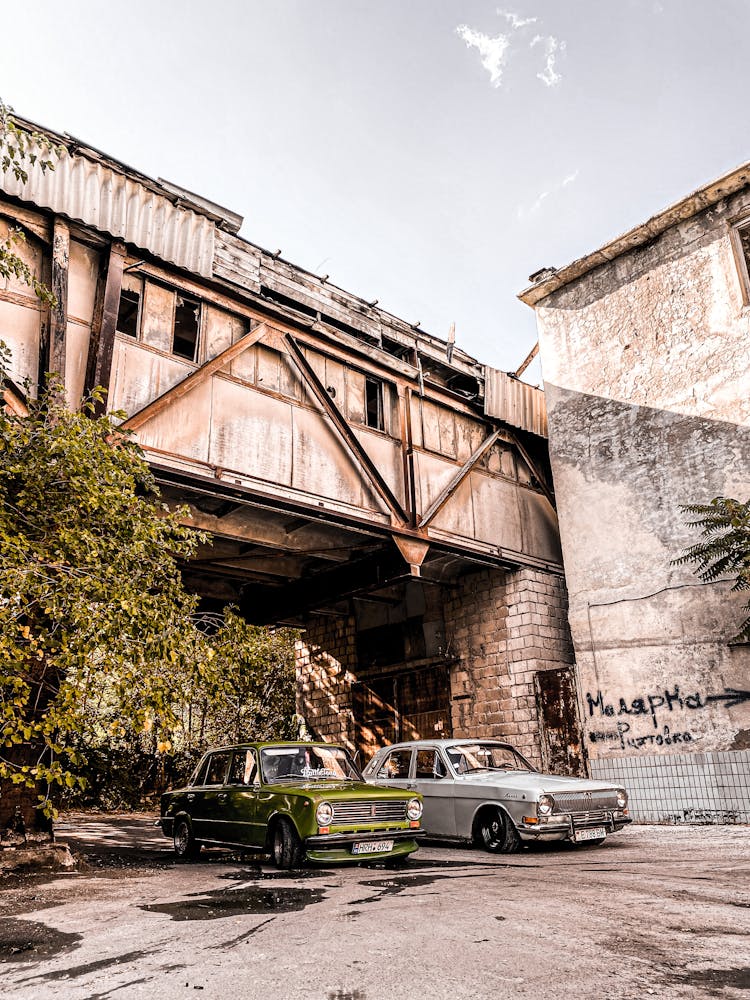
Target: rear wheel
{"type": "Point", "coordinates": [185, 845]}
{"type": "Point", "coordinates": [495, 832]}
{"type": "Point", "coordinates": [286, 847]}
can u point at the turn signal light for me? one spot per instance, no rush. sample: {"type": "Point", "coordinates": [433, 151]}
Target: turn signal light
{"type": "Point", "coordinates": [414, 824]}
{"type": "Point", "coordinates": [530, 819]}
{"type": "Point", "coordinates": [324, 829]}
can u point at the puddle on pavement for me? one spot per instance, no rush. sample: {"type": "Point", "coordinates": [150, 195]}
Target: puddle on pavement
{"type": "Point", "coordinates": [29, 940]}
{"type": "Point", "coordinates": [75, 971]}
{"type": "Point", "coordinates": [715, 981]}
{"type": "Point", "coordinates": [247, 874]}
{"type": "Point", "coordinates": [394, 886]}
{"type": "Point", "coordinates": [235, 903]}
{"type": "Point", "coordinates": [346, 995]}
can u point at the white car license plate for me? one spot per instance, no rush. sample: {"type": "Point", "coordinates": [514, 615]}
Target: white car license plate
{"type": "Point", "coordinates": [372, 847]}
{"type": "Point", "coordinates": [593, 834]}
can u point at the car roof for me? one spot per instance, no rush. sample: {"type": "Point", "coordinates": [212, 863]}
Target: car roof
{"type": "Point", "coordinates": [443, 742]}
{"type": "Point", "coordinates": [262, 744]}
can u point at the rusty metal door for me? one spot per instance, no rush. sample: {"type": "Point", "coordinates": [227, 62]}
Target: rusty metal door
{"type": "Point", "coordinates": [559, 723]}
{"type": "Point", "coordinates": [401, 706]}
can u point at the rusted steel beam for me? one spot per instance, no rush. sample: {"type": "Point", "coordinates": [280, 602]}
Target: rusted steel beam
{"type": "Point", "coordinates": [104, 324]}
{"type": "Point", "coordinates": [444, 496]}
{"type": "Point", "coordinates": [347, 435]}
{"type": "Point", "coordinates": [195, 378]}
{"type": "Point", "coordinates": [527, 360]}
{"type": "Point", "coordinates": [59, 312]}
{"type": "Point", "coordinates": [407, 452]}
{"type": "Point", "coordinates": [534, 468]}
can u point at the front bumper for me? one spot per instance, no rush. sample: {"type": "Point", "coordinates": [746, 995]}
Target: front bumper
{"type": "Point", "coordinates": [333, 848]}
{"type": "Point", "coordinates": [564, 826]}
{"type": "Point", "coordinates": [335, 840]}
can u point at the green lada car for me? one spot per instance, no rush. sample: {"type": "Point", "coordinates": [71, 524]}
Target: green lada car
{"type": "Point", "coordinates": [295, 801]}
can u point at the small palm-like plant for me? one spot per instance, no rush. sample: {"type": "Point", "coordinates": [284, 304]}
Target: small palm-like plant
{"type": "Point", "coordinates": [725, 548]}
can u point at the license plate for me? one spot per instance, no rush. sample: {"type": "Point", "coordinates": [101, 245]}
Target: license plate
{"type": "Point", "coordinates": [593, 834]}
{"type": "Point", "coordinates": [372, 847]}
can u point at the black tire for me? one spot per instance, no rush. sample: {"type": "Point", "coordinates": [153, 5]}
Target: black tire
{"type": "Point", "coordinates": [186, 846]}
{"type": "Point", "coordinates": [286, 847]}
{"type": "Point", "coordinates": [495, 832]}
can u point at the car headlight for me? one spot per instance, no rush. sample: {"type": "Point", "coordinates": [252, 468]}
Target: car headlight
{"type": "Point", "coordinates": [544, 805]}
{"type": "Point", "coordinates": [414, 809]}
{"type": "Point", "coordinates": [324, 814]}
{"type": "Point", "coordinates": [622, 798]}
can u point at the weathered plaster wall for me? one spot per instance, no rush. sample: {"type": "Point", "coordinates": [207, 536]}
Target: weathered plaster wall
{"type": "Point", "coordinates": [647, 375]}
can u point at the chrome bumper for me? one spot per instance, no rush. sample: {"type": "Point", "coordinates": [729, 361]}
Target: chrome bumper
{"type": "Point", "coordinates": [323, 840]}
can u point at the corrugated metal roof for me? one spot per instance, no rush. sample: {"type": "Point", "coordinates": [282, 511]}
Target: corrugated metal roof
{"type": "Point", "coordinates": [514, 402]}
{"type": "Point", "coordinates": [97, 195]}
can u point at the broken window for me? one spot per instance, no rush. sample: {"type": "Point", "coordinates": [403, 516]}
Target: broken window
{"type": "Point", "coordinates": [741, 239]}
{"type": "Point", "coordinates": [187, 317]}
{"type": "Point", "coordinates": [129, 310]}
{"type": "Point", "coordinates": [374, 403]}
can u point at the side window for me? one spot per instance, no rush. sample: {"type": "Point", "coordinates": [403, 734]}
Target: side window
{"type": "Point", "coordinates": [217, 769]}
{"type": "Point", "coordinates": [244, 768]}
{"type": "Point", "coordinates": [429, 764]}
{"type": "Point", "coordinates": [396, 765]}
{"type": "Point", "coordinates": [374, 403]}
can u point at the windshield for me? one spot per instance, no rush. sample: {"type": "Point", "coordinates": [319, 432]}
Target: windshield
{"type": "Point", "coordinates": [306, 763]}
{"type": "Point", "coordinates": [486, 757]}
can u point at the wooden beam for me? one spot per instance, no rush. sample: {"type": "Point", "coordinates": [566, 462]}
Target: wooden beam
{"type": "Point", "coordinates": [195, 378]}
{"type": "Point", "coordinates": [534, 468]}
{"type": "Point", "coordinates": [445, 494]}
{"type": "Point", "coordinates": [104, 323]}
{"type": "Point", "coordinates": [346, 433]}
{"type": "Point", "coordinates": [527, 360]}
{"type": "Point", "coordinates": [59, 312]}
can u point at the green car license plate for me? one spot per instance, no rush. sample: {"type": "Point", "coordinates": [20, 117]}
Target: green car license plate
{"type": "Point", "coordinates": [372, 847]}
{"type": "Point", "coordinates": [593, 834]}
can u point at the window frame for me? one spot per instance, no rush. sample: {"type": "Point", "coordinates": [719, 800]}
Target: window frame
{"type": "Point", "coordinates": [736, 226]}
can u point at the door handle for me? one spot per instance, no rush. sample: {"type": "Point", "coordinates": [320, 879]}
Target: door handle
{"type": "Point", "coordinates": [222, 796]}
{"type": "Point", "coordinates": [190, 796]}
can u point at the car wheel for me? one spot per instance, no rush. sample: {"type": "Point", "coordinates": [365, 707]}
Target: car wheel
{"type": "Point", "coordinates": [286, 847]}
{"type": "Point", "coordinates": [495, 832]}
{"type": "Point", "coordinates": [185, 845]}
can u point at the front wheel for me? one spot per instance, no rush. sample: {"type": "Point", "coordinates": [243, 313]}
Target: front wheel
{"type": "Point", "coordinates": [286, 847]}
{"type": "Point", "coordinates": [495, 832]}
{"type": "Point", "coordinates": [185, 845]}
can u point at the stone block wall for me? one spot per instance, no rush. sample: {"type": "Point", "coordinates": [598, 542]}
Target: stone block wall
{"type": "Point", "coordinates": [504, 627]}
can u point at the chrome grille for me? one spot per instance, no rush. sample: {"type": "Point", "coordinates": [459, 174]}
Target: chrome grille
{"type": "Point", "coordinates": [368, 812]}
{"type": "Point", "coordinates": [584, 802]}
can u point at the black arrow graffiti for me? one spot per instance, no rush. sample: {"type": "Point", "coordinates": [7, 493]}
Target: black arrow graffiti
{"type": "Point", "coordinates": [732, 696]}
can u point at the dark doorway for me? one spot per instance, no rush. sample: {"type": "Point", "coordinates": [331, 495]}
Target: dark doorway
{"type": "Point", "coordinates": [558, 721]}
{"type": "Point", "coordinates": [411, 705]}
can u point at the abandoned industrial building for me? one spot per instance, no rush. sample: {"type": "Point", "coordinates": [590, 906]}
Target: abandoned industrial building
{"type": "Point", "coordinates": [393, 497]}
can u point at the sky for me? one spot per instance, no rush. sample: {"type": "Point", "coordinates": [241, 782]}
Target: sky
{"type": "Point", "coordinates": [430, 154]}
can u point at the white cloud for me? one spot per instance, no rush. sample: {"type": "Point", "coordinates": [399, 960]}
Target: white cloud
{"type": "Point", "coordinates": [493, 52]}
{"type": "Point", "coordinates": [549, 76]}
{"type": "Point", "coordinates": [515, 21]}
{"type": "Point", "coordinates": [522, 212]}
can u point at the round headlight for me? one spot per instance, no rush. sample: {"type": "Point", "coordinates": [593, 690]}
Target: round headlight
{"type": "Point", "coordinates": [544, 805]}
{"type": "Point", "coordinates": [324, 814]}
{"type": "Point", "coordinates": [622, 798]}
{"type": "Point", "coordinates": [414, 809]}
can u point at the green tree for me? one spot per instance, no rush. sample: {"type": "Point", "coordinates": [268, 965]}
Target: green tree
{"type": "Point", "coordinates": [20, 149]}
{"type": "Point", "coordinates": [90, 591]}
{"type": "Point", "coordinates": [725, 549]}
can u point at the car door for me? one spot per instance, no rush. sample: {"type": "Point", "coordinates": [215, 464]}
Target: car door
{"type": "Point", "coordinates": [209, 798]}
{"type": "Point", "coordinates": [241, 802]}
{"type": "Point", "coordinates": [434, 782]}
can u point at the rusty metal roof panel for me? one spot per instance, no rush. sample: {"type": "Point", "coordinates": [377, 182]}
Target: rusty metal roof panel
{"type": "Point", "coordinates": [96, 194]}
{"type": "Point", "coordinates": [514, 402]}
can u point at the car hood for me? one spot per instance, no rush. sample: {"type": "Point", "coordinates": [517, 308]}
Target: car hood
{"type": "Point", "coordinates": [339, 790]}
{"type": "Point", "coordinates": [533, 781]}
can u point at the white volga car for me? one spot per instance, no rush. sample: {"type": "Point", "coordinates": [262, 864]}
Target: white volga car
{"type": "Point", "coordinates": [485, 791]}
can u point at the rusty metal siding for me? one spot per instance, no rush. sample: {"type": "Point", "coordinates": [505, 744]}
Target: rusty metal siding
{"type": "Point", "coordinates": [99, 196]}
{"type": "Point", "coordinates": [514, 402]}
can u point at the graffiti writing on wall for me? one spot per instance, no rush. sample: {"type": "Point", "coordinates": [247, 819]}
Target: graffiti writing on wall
{"type": "Point", "coordinates": [654, 706]}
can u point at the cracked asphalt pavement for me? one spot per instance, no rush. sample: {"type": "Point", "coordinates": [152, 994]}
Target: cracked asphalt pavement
{"type": "Point", "coordinates": [654, 911]}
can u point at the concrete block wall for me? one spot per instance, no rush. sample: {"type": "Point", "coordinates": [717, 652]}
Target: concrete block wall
{"type": "Point", "coordinates": [504, 627]}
